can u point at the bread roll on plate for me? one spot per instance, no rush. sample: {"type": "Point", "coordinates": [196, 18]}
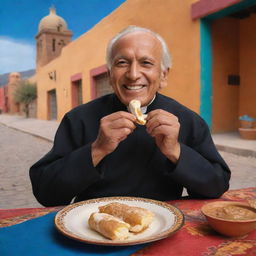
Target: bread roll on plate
{"type": "Point", "coordinates": [138, 218]}
{"type": "Point", "coordinates": [109, 226]}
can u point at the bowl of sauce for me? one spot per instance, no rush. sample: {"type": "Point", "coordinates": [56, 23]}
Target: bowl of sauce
{"type": "Point", "coordinates": [230, 218]}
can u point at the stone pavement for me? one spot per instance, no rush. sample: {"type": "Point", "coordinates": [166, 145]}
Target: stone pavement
{"type": "Point", "coordinates": [227, 142]}
{"type": "Point", "coordinates": [18, 151]}
{"type": "Point", "coordinates": [40, 128]}
{"type": "Point", "coordinates": [232, 143]}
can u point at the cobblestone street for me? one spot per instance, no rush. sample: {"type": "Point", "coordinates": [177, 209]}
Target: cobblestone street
{"type": "Point", "coordinates": [20, 150]}
{"type": "Point", "coordinates": [243, 170]}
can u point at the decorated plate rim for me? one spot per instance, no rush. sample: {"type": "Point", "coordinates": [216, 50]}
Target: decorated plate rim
{"type": "Point", "coordinates": [178, 223]}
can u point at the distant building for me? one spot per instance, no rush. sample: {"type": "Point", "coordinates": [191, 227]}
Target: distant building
{"type": "Point", "coordinates": [7, 103]}
{"type": "Point", "coordinates": [212, 44]}
{"type": "Point", "coordinates": [13, 82]}
{"type": "Point", "coordinates": [3, 100]}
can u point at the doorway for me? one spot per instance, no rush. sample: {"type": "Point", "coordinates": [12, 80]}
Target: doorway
{"type": "Point", "coordinates": [228, 65]}
{"type": "Point", "coordinates": [77, 96]}
{"type": "Point", "coordinates": [52, 105]}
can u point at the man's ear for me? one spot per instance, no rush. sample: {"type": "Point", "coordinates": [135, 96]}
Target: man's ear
{"type": "Point", "coordinates": [109, 77]}
{"type": "Point", "coordinates": [163, 78]}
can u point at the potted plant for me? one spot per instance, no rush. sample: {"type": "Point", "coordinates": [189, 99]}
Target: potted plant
{"type": "Point", "coordinates": [247, 128]}
{"type": "Point", "coordinates": [246, 121]}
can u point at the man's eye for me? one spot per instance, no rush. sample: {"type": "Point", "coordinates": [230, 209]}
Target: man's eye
{"type": "Point", "coordinates": [147, 63]}
{"type": "Point", "coordinates": [121, 63]}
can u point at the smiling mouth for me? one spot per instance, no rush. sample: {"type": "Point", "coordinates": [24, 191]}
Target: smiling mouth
{"type": "Point", "coordinates": [133, 87]}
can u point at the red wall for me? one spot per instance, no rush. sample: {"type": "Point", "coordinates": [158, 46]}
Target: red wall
{"type": "Point", "coordinates": [2, 100]}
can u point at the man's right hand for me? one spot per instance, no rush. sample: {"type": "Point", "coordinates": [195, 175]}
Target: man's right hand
{"type": "Point", "coordinates": [114, 128]}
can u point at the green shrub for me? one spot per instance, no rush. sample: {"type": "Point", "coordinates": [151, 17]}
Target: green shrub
{"type": "Point", "coordinates": [25, 94]}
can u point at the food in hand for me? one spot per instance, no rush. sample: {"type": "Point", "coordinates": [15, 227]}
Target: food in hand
{"type": "Point", "coordinates": [138, 218]}
{"type": "Point", "coordinates": [109, 226]}
{"type": "Point", "coordinates": [135, 109]}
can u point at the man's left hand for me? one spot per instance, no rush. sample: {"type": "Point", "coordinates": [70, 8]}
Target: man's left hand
{"type": "Point", "coordinates": [164, 127]}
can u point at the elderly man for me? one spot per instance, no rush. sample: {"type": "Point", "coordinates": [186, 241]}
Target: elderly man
{"type": "Point", "coordinates": [100, 151]}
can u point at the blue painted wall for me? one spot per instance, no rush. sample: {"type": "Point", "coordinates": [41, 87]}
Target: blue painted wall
{"type": "Point", "coordinates": [206, 71]}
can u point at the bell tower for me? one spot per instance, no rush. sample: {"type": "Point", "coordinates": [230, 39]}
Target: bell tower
{"type": "Point", "coordinates": [53, 35]}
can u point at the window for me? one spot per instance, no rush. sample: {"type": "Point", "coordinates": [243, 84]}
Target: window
{"type": "Point", "coordinates": [100, 82]}
{"type": "Point", "coordinates": [102, 86]}
{"type": "Point", "coordinates": [53, 45]}
{"type": "Point", "coordinates": [59, 27]}
{"type": "Point", "coordinates": [77, 96]}
{"type": "Point", "coordinates": [52, 105]}
{"type": "Point", "coordinates": [76, 90]}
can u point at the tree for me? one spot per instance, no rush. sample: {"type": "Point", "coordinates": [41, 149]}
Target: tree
{"type": "Point", "coordinates": [25, 94]}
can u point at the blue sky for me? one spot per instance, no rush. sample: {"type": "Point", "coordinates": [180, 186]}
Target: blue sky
{"type": "Point", "coordinates": [19, 21]}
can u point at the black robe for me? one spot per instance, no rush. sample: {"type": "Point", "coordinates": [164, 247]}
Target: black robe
{"type": "Point", "coordinates": [136, 167]}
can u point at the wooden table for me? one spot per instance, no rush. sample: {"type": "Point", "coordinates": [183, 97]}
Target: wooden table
{"type": "Point", "coordinates": [195, 238]}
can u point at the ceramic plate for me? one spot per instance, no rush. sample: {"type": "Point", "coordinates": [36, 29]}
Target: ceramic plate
{"type": "Point", "coordinates": [72, 221]}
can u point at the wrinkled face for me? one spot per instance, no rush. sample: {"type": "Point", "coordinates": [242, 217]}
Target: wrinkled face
{"type": "Point", "coordinates": [136, 68]}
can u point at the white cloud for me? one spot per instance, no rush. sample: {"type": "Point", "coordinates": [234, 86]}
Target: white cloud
{"type": "Point", "coordinates": [16, 55]}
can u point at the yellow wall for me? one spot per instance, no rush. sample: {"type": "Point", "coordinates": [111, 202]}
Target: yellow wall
{"type": "Point", "coordinates": [225, 52]}
{"type": "Point", "coordinates": [247, 99]}
{"type": "Point", "coordinates": [169, 18]}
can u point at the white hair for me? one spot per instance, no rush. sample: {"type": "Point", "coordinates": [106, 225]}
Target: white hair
{"type": "Point", "coordinates": [166, 56]}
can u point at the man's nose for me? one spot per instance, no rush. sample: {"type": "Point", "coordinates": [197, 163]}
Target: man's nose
{"type": "Point", "coordinates": [133, 73]}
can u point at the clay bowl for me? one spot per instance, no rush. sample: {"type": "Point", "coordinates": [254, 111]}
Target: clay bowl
{"type": "Point", "coordinates": [230, 218]}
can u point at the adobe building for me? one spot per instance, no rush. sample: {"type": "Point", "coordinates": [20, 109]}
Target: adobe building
{"type": "Point", "coordinates": [7, 102]}
{"type": "Point", "coordinates": [13, 82]}
{"type": "Point", "coordinates": [52, 36]}
{"type": "Point", "coordinates": [3, 100]}
{"type": "Point", "coordinates": [212, 45]}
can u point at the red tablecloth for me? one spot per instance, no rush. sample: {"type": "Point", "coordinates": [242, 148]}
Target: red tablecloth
{"type": "Point", "coordinates": [195, 238]}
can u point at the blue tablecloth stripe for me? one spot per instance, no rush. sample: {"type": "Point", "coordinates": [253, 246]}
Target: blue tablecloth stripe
{"type": "Point", "coordinates": [39, 237]}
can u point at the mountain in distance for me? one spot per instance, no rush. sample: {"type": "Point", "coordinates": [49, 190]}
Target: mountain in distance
{"type": "Point", "coordinates": [24, 75]}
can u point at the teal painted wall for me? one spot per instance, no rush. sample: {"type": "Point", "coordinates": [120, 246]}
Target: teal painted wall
{"type": "Point", "coordinates": [206, 71]}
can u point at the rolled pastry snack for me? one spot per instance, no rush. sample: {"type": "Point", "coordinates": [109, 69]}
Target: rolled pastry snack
{"type": "Point", "coordinates": [135, 109]}
{"type": "Point", "coordinates": [109, 226]}
{"type": "Point", "coordinates": [138, 218]}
